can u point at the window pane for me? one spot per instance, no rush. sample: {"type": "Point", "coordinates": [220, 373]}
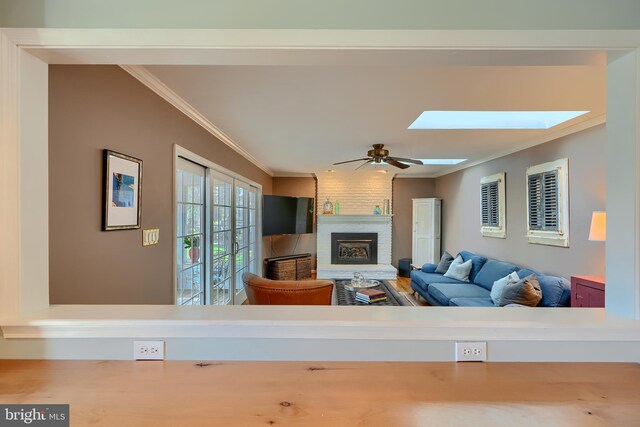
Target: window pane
{"type": "Point", "coordinates": [198, 188]}
{"type": "Point", "coordinates": [240, 197]}
{"type": "Point", "coordinates": [197, 219]}
{"type": "Point", "coordinates": [187, 180]}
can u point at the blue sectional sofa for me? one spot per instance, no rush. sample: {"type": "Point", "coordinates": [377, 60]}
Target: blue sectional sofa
{"type": "Point", "coordinates": [440, 290]}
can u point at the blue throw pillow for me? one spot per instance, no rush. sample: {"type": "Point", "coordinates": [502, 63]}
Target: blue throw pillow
{"type": "Point", "coordinates": [556, 291]}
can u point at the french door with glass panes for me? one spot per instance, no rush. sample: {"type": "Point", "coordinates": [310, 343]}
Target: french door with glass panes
{"type": "Point", "coordinates": [217, 232]}
{"type": "Point", "coordinates": [234, 237]}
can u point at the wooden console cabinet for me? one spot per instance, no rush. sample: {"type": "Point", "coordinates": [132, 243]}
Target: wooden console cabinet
{"type": "Point", "coordinates": [587, 291]}
{"type": "Point", "coordinates": [292, 267]}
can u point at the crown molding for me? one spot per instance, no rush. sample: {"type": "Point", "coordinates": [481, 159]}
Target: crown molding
{"type": "Point", "coordinates": [152, 82]}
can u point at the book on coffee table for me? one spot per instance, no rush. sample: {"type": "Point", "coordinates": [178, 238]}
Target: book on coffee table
{"type": "Point", "coordinates": [370, 295]}
{"type": "Point", "coordinates": [370, 301]}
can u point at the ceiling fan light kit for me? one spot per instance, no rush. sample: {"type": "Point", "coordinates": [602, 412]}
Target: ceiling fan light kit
{"type": "Point", "coordinates": [378, 155]}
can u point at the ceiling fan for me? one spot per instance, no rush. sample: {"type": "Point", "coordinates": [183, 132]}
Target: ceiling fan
{"type": "Point", "coordinates": [378, 155]}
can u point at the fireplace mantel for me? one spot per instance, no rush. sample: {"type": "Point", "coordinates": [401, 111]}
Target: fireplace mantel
{"type": "Point", "coordinates": [343, 219]}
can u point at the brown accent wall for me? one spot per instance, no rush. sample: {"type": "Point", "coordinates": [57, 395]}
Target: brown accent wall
{"type": "Point", "coordinates": [96, 107]}
{"type": "Point", "coordinates": [404, 190]}
{"type": "Point", "coordinates": [301, 243]}
{"type": "Point", "coordinates": [460, 192]}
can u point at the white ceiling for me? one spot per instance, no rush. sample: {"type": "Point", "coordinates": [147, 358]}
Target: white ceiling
{"type": "Point", "coordinates": [300, 113]}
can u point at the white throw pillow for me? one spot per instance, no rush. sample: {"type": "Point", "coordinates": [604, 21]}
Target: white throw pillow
{"type": "Point", "coordinates": [498, 287]}
{"type": "Point", "coordinates": [459, 270]}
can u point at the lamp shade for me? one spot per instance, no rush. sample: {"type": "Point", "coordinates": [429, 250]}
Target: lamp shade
{"type": "Point", "coordinates": [598, 230]}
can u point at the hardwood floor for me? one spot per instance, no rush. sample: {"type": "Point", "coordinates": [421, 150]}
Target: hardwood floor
{"type": "Point", "coordinates": [403, 285]}
{"type": "Point", "coordinates": [184, 393]}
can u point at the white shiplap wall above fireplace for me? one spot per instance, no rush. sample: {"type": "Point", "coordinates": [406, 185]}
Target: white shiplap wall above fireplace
{"type": "Point", "coordinates": [358, 193]}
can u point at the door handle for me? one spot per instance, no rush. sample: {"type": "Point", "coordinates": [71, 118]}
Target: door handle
{"type": "Point", "coordinates": [236, 248]}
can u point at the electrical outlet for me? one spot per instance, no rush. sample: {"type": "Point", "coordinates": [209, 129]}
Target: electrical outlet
{"type": "Point", "coordinates": [148, 350]}
{"type": "Point", "coordinates": [471, 351]}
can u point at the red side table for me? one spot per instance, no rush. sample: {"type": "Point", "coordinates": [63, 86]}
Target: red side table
{"type": "Point", "coordinates": [587, 291]}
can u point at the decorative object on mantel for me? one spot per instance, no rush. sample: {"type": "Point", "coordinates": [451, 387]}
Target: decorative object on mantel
{"type": "Point", "coordinates": [377, 210]}
{"type": "Point", "coordinates": [122, 190]}
{"type": "Point", "coordinates": [327, 208]}
{"type": "Point", "coordinates": [379, 154]}
{"type": "Point", "coordinates": [386, 207]}
{"type": "Point", "coordinates": [598, 230]}
{"type": "Point", "coordinates": [337, 207]}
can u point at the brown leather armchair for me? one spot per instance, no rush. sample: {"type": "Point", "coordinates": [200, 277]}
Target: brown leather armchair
{"type": "Point", "coordinates": [287, 292]}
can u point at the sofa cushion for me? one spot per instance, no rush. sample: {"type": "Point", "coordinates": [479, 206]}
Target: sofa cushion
{"type": "Point", "coordinates": [493, 270]}
{"type": "Point", "coordinates": [423, 280]}
{"type": "Point", "coordinates": [445, 263]}
{"type": "Point", "coordinates": [444, 292]}
{"type": "Point", "coordinates": [477, 262]}
{"type": "Point", "coordinates": [556, 291]}
{"type": "Point", "coordinates": [528, 272]}
{"type": "Point", "coordinates": [525, 291]}
{"type": "Point", "coordinates": [471, 302]}
{"type": "Point", "coordinates": [459, 270]}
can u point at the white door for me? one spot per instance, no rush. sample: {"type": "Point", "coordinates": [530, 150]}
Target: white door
{"type": "Point", "coordinates": [426, 231]}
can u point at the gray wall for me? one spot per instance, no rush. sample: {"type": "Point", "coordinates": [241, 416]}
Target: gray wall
{"type": "Point", "coordinates": [461, 206]}
{"type": "Point", "coordinates": [404, 190]}
{"type": "Point", "coordinates": [96, 107]}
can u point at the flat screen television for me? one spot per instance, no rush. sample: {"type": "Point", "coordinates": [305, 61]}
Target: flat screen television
{"type": "Point", "coordinates": [287, 215]}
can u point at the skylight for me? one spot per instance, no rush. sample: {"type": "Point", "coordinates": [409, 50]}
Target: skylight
{"type": "Point", "coordinates": [441, 161]}
{"type": "Point", "coordinates": [493, 119]}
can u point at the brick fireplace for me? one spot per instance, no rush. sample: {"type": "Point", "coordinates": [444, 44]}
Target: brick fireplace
{"type": "Point", "coordinates": [333, 228]}
{"type": "Point", "coordinates": [358, 192]}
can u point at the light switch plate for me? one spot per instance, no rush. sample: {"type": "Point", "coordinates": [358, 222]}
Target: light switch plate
{"type": "Point", "coordinates": [150, 236]}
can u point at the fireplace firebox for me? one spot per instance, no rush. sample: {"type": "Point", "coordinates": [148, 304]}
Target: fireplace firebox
{"type": "Point", "coordinates": [354, 248]}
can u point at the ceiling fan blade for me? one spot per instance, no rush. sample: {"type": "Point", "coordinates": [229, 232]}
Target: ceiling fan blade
{"type": "Point", "coordinates": [393, 162]}
{"type": "Point", "coordinates": [365, 163]}
{"type": "Point", "coordinates": [350, 161]}
{"type": "Point", "coordinates": [403, 160]}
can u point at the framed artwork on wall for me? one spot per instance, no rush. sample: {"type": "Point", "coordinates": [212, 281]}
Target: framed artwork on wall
{"type": "Point", "coordinates": [122, 191]}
